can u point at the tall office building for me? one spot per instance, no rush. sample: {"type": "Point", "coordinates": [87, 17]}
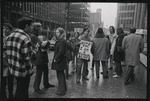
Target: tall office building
{"type": "Point", "coordinates": [78, 15]}
{"type": "Point", "coordinates": [50, 14]}
{"type": "Point", "coordinates": [95, 20]}
{"type": "Point", "coordinates": [132, 15]}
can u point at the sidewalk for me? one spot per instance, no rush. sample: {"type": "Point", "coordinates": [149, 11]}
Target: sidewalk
{"type": "Point", "coordinates": [94, 88]}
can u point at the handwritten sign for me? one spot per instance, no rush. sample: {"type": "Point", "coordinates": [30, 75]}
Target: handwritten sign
{"type": "Point", "coordinates": [84, 50]}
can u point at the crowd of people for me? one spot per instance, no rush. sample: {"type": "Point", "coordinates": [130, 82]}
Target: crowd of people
{"type": "Point", "coordinates": [27, 46]}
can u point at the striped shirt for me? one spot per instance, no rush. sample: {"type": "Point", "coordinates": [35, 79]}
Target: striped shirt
{"type": "Point", "coordinates": [19, 52]}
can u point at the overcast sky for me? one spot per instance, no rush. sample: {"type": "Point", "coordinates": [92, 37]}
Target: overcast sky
{"type": "Point", "coordinates": [109, 12]}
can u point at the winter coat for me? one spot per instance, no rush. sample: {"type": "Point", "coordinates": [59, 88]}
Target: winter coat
{"type": "Point", "coordinates": [60, 55]}
{"type": "Point", "coordinates": [41, 57]}
{"type": "Point", "coordinates": [132, 45]}
{"type": "Point", "coordinates": [69, 50]}
{"type": "Point", "coordinates": [75, 47]}
{"type": "Point", "coordinates": [101, 48]}
{"type": "Point", "coordinates": [118, 52]}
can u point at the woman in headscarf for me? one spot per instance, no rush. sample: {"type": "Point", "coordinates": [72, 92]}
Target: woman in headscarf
{"type": "Point", "coordinates": [101, 52]}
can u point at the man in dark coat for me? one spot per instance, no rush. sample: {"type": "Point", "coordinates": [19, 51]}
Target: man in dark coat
{"type": "Point", "coordinates": [41, 64]}
{"type": "Point", "coordinates": [60, 62]}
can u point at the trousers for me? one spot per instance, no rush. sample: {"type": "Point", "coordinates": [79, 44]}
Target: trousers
{"type": "Point", "coordinates": [104, 66]}
{"type": "Point", "coordinates": [62, 87]}
{"type": "Point", "coordinates": [118, 68]}
{"type": "Point", "coordinates": [129, 73]}
{"type": "Point", "coordinates": [22, 87]}
{"type": "Point", "coordinates": [7, 80]}
{"type": "Point", "coordinates": [81, 62]}
{"type": "Point", "coordinates": [39, 70]}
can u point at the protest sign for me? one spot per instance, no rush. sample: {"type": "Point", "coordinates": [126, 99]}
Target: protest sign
{"type": "Point", "coordinates": [84, 50]}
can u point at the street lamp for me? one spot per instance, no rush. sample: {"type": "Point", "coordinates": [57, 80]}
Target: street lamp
{"type": "Point", "coordinates": [66, 16]}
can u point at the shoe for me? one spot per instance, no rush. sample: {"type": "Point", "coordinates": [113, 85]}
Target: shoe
{"type": "Point", "coordinates": [78, 80]}
{"type": "Point", "coordinates": [116, 76]}
{"type": "Point", "coordinates": [126, 82]}
{"type": "Point", "coordinates": [85, 78]}
{"type": "Point", "coordinates": [105, 77]}
{"type": "Point", "coordinates": [39, 91]}
{"type": "Point", "coordinates": [60, 94]}
{"type": "Point", "coordinates": [50, 85]}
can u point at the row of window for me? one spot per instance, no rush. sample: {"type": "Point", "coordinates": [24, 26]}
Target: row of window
{"type": "Point", "coordinates": [47, 10]}
{"type": "Point", "coordinates": [126, 14]}
{"type": "Point", "coordinates": [127, 7]}
{"type": "Point", "coordinates": [125, 21]}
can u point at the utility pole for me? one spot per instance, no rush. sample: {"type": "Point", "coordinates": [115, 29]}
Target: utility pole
{"type": "Point", "coordinates": [67, 16]}
{"type": "Point", "coordinates": [81, 14]}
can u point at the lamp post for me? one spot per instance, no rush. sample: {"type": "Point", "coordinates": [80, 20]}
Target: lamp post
{"type": "Point", "coordinates": [66, 16]}
{"type": "Point", "coordinates": [81, 14]}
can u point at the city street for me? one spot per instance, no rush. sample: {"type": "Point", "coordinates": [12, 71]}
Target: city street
{"type": "Point", "coordinates": [94, 88]}
{"type": "Point", "coordinates": [76, 22]}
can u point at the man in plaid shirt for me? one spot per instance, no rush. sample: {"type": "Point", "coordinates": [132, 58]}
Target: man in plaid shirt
{"type": "Point", "coordinates": [20, 52]}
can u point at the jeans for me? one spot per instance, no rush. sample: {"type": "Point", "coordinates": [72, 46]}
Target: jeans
{"type": "Point", "coordinates": [81, 62]}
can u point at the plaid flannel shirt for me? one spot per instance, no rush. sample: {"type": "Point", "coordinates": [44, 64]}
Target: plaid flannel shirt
{"type": "Point", "coordinates": [19, 51]}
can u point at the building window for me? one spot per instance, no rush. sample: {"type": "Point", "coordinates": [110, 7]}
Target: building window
{"type": "Point", "coordinates": [122, 8]}
{"type": "Point", "coordinates": [125, 8]}
{"type": "Point", "coordinates": [125, 15]}
{"type": "Point", "coordinates": [12, 3]}
{"type": "Point", "coordinates": [133, 14]}
{"type": "Point", "coordinates": [134, 7]}
{"type": "Point", "coordinates": [119, 15]}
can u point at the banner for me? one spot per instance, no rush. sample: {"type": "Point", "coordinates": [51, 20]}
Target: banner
{"type": "Point", "coordinates": [84, 50]}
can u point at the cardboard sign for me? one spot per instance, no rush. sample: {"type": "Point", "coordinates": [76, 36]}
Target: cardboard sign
{"type": "Point", "coordinates": [84, 50]}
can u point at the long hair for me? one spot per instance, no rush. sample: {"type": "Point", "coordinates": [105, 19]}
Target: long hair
{"type": "Point", "coordinates": [132, 30]}
{"type": "Point", "coordinates": [112, 28]}
{"type": "Point", "coordinates": [119, 31]}
{"type": "Point", "coordinates": [99, 33]}
{"type": "Point", "coordinates": [85, 30]}
{"type": "Point", "coordinates": [77, 33]}
{"type": "Point", "coordinates": [68, 36]}
{"type": "Point", "coordinates": [62, 32]}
